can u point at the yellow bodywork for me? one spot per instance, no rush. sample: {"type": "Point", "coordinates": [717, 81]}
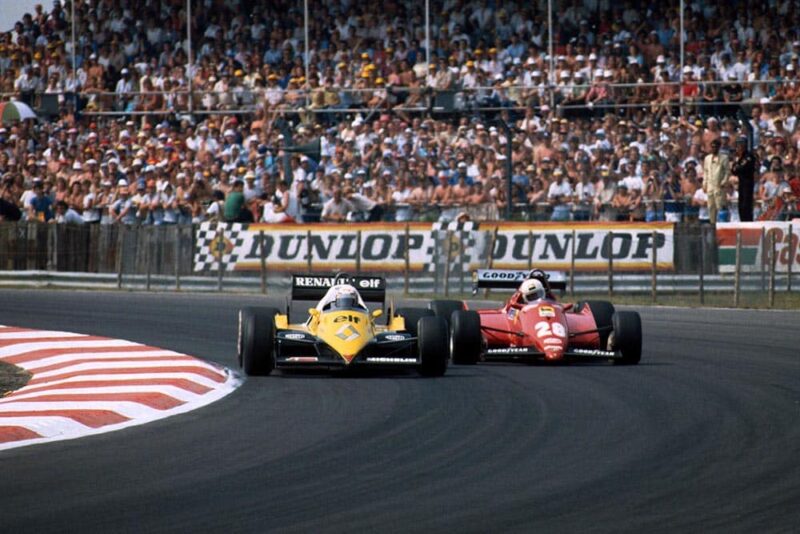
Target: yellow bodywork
{"type": "Point", "coordinates": [346, 331]}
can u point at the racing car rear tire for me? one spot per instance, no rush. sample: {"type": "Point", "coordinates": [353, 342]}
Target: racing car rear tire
{"type": "Point", "coordinates": [627, 337]}
{"type": "Point", "coordinates": [603, 312]}
{"type": "Point", "coordinates": [445, 308]}
{"type": "Point", "coordinates": [432, 345]}
{"type": "Point", "coordinates": [411, 316]}
{"type": "Point", "coordinates": [257, 340]}
{"type": "Point", "coordinates": [466, 340]}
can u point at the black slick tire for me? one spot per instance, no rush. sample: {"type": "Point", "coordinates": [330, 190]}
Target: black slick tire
{"type": "Point", "coordinates": [433, 353]}
{"type": "Point", "coordinates": [411, 317]}
{"type": "Point", "coordinates": [466, 340]}
{"type": "Point", "coordinates": [256, 340]}
{"type": "Point", "coordinates": [603, 312]}
{"type": "Point", "coordinates": [627, 337]}
{"type": "Point", "coordinates": [445, 308]}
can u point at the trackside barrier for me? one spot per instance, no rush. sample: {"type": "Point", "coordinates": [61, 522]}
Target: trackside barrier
{"type": "Point", "coordinates": [626, 283]}
{"type": "Point", "coordinates": [432, 258]}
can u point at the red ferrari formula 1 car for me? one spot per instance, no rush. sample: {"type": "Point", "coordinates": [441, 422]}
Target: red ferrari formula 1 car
{"type": "Point", "coordinates": [532, 325]}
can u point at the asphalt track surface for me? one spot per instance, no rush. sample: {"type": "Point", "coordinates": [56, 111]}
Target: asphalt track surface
{"type": "Point", "coordinates": [704, 435]}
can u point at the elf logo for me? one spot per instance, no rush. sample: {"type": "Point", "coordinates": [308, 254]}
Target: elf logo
{"type": "Point", "coordinates": [347, 319]}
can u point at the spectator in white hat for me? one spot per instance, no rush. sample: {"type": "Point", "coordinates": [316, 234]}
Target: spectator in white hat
{"type": "Point", "coordinates": [124, 91]}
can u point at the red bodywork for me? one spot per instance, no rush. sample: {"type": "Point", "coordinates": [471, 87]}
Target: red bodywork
{"type": "Point", "coordinates": [547, 326]}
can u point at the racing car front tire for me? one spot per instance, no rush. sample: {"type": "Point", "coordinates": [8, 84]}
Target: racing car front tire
{"type": "Point", "coordinates": [445, 308]}
{"type": "Point", "coordinates": [411, 317]}
{"type": "Point", "coordinates": [432, 343]}
{"type": "Point", "coordinates": [627, 337]}
{"type": "Point", "coordinates": [466, 340]}
{"type": "Point", "coordinates": [603, 312]}
{"type": "Point", "coordinates": [257, 340]}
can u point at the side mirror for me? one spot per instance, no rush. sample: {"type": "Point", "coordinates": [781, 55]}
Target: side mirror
{"type": "Point", "coordinates": [376, 313]}
{"type": "Point", "coordinates": [313, 312]}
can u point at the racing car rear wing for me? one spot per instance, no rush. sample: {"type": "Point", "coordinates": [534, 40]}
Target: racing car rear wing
{"type": "Point", "coordinates": [511, 279]}
{"type": "Point", "coordinates": [314, 286]}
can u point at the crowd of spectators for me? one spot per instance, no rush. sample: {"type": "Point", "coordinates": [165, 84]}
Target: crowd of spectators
{"type": "Point", "coordinates": [582, 146]}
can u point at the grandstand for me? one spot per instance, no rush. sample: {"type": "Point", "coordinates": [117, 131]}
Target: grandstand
{"type": "Point", "coordinates": [145, 119]}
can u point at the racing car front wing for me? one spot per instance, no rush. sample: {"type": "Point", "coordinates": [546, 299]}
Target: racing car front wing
{"type": "Point", "coordinates": [531, 354]}
{"type": "Point", "coordinates": [296, 349]}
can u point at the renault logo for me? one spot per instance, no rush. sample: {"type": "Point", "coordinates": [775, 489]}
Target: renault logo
{"type": "Point", "coordinates": [348, 333]}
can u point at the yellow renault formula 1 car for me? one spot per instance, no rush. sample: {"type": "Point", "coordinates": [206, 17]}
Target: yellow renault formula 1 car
{"type": "Point", "coordinates": [341, 331]}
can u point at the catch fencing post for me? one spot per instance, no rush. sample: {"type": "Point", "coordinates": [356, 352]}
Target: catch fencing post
{"type": "Point", "coordinates": [447, 263]}
{"type": "Point", "coordinates": [358, 252]}
{"type": "Point", "coordinates": [177, 232]}
{"type": "Point", "coordinates": [263, 257]}
{"type": "Point", "coordinates": [120, 247]}
{"type": "Point", "coordinates": [461, 267]}
{"type": "Point", "coordinates": [790, 255]}
{"type": "Point", "coordinates": [772, 260]}
{"type": "Point", "coordinates": [738, 274]}
{"type": "Point", "coordinates": [702, 265]}
{"type": "Point", "coordinates": [406, 259]}
{"type": "Point", "coordinates": [30, 245]}
{"type": "Point", "coordinates": [221, 252]}
{"type": "Point", "coordinates": [654, 269]}
{"type": "Point", "coordinates": [490, 259]}
{"type": "Point", "coordinates": [530, 250]}
{"type": "Point", "coordinates": [763, 247]}
{"type": "Point", "coordinates": [5, 245]}
{"type": "Point", "coordinates": [610, 250]}
{"type": "Point", "coordinates": [435, 260]}
{"type": "Point", "coordinates": [572, 266]}
{"type": "Point", "coordinates": [308, 250]}
{"type": "Point", "coordinates": [148, 239]}
{"type": "Point", "coordinates": [52, 248]}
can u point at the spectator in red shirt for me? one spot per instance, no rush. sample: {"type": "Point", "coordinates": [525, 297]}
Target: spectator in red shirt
{"type": "Point", "coordinates": [690, 89]}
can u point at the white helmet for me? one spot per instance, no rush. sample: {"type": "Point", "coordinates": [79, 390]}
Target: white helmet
{"type": "Point", "coordinates": [531, 290]}
{"type": "Point", "coordinates": [346, 297]}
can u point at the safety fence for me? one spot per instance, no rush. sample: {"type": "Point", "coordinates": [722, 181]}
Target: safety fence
{"type": "Point", "coordinates": [649, 210]}
{"type": "Point", "coordinates": [319, 103]}
{"type": "Point", "coordinates": [96, 248]}
{"type": "Point", "coordinates": [742, 259]}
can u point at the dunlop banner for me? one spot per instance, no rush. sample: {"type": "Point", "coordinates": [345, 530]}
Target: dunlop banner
{"type": "Point", "coordinates": [551, 245]}
{"type": "Point", "coordinates": [756, 241]}
{"type": "Point", "coordinates": [287, 247]}
{"type": "Point", "coordinates": [381, 247]}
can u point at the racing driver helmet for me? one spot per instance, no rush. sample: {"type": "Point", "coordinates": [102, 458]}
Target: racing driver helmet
{"type": "Point", "coordinates": [346, 297]}
{"type": "Point", "coordinates": [531, 290]}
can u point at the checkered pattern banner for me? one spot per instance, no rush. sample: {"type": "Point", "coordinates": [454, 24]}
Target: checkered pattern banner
{"type": "Point", "coordinates": [464, 253]}
{"type": "Point", "coordinates": [455, 226]}
{"type": "Point", "coordinates": [422, 247]}
{"type": "Point", "coordinates": [215, 240]}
